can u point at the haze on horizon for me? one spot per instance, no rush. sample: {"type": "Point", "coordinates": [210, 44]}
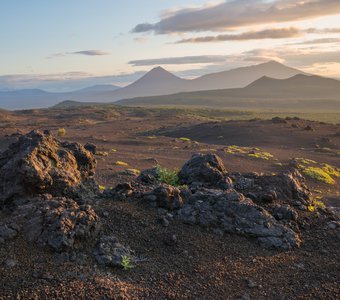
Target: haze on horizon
{"type": "Point", "coordinates": [65, 45]}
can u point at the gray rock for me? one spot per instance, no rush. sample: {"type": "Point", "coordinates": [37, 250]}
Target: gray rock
{"type": "Point", "coordinates": [59, 223]}
{"type": "Point", "coordinates": [205, 170]}
{"type": "Point", "coordinates": [10, 263]}
{"type": "Point", "coordinates": [166, 196]}
{"type": "Point", "coordinates": [109, 252]}
{"type": "Point", "coordinates": [237, 214]}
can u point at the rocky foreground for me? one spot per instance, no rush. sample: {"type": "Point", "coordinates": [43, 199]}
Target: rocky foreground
{"type": "Point", "coordinates": [49, 198]}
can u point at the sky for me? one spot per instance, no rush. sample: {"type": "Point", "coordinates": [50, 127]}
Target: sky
{"type": "Point", "coordinates": [60, 45]}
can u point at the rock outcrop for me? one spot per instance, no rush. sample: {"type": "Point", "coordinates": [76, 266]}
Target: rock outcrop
{"type": "Point", "coordinates": [205, 170]}
{"type": "Point", "coordinates": [38, 163]}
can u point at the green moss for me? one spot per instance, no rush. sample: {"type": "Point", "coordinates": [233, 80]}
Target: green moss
{"type": "Point", "coordinates": [121, 163]}
{"type": "Point", "coordinates": [306, 161]}
{"type": "Point", "coordinates": [318, 174]}
{"type": "Point", "coordinates": [261, 155]}
{"type": "Point", "coordinates": [102, 153]}
{"type": "Point", "coordinates": [185, 139]}
{"type": "Point", "coordinates": [330, 170]}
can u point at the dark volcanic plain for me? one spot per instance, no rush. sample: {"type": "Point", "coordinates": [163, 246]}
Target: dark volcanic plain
{"type": "Point", "coordinates": [202, 265]}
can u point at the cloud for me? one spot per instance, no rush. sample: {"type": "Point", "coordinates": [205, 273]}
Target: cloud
{"type": "Point", "coordinates": [318, 41]}
{"type": "Point", "coordinates": [274, 33]}
{"type": "Point", "coordinates": [323, 30]}
{"type": "Point", "coordinates": [83, 52]}
{"type": "Point", "coordinates": [203, 59]}
{"type": "Point", "coordinates": [91, 52]}
{"type": "Point", "coordinates": [239, 13]}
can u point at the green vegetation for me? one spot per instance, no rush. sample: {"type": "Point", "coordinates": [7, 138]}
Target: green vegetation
{"type": "Point", "coordinates": [102, 153]}
{"type": "Point", "coordinates": [319, 171]}
{"type": "Point", "coordinates": [318, 174]}
{"type": "Point", "coordinates": [102, 188]}
{"type": "Point", "coordinates": [305, 161]}
{"type": "Point", "coordinates": [185, 139]}
{"type": "Point", "coordinates": [126, 263]}
{"type": "Point", "coordinates": [249, 151]}
{"type": "Point", "coordinates": [61, 132]}
{"type": "Point", "coordinates": [168, 176]}
{"type": "Point", "coordinates": [121, 163]}
{"type": "Point", "coordinates": [261, 155]}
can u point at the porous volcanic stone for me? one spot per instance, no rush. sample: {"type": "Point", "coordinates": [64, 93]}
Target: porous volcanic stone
{"type": "Point", "coordinates": [38, 163]}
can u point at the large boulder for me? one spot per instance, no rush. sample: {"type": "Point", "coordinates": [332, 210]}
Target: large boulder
{"type": "Point", "coordinates": [38, 163]}
{"type": "Point", "coordinates": [204, 170]}
{"type": "Point", "coordinates": [58, 223]}
{"type": "Point", "coordinates": [287, 186]}
{"type": "Point", "coordinates": [165, 196]}
{"type": "Point", "coordinates": [229, 211]}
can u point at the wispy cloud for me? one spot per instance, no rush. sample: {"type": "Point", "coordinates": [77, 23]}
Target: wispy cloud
{"type": "Point", "coordinates": [273, 33]}
{"type": "Point", "coordinates": [83, 52]}
{"type": "Point", "coordinates": [239, 13]}
{"type": "Point", "coordinates": [91, 52]}
{"type": "Point", "coordinates": [203, 59]}
{"type": "Point", "coordinates": [318, 41]}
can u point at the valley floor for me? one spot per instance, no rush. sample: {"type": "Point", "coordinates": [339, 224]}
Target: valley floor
{"type": "Point", "coordinates": [202, 265]}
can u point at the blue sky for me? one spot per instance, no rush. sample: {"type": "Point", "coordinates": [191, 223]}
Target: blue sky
{"type": "Point", "coordinates": [45, 42]}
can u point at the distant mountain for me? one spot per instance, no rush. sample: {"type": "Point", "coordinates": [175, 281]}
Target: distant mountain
{"type": "Point", "coordinates": [98, 88]}
{"type": "Point", "coordinates": [28, 98]}
{"type": "Point", "coordinates": [241, 77]}
{"type": "Point", "coordinates": [161, 82]}
{"type": "Point", "coordinates": [309, 92]}
{"type": "Point", "coordinates": [156, 82]}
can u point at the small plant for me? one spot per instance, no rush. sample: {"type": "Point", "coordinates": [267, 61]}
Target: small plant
{"type": "Point", "coordinates": [168, 176]}
{"type": "Point", "coordinates": [102, 188]}
{"type": "Point", "coordinates": [61, 132]}
{"type": "Point", "coordinates": [126, 263]}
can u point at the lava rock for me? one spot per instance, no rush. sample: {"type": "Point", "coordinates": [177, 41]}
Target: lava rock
{"type": "Point", "coordinates": [59, 223]}
{"type": "Point", "coordinates": [166, 196]}
{"type": "Point", "coordinates": [231, 212]}
{"type": "Point", "coordinates": [109, 252]}
{"type": "Point", "coordinates": [91, 148]}
{"type": "Point", "coordinates": [38, 163]}
{"type": "Point", "coordinates": [205, 170]}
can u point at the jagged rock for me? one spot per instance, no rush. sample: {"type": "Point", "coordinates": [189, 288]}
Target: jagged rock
{"type": "Point", "coordinates": [148, 176]}
{"type": "Point", "coordinates": [204, 170]}
{"type": "Point", "coordinates": [285, 186]}
{"type": "Point", "coordinates": [284, 212]}
{"type": "Point", "coordinates": [109, 252]}
{"type": "Point", "coordinates": [231, 212]}
{"type": "Point", "coordinates": [165, 196]}
{"type": "Point", "coordinates": [38, 163]}
{"type": "Point", "coordinates": [59, 223]}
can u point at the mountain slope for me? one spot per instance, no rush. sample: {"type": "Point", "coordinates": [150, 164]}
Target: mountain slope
{"type": "Point", "coordinates": [311, 92]}
{"type": "Point", "coordinates": [241, 77]}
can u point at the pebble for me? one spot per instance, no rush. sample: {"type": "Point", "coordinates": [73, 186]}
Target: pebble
{"type": "Point", "coordinates": [10, 263]}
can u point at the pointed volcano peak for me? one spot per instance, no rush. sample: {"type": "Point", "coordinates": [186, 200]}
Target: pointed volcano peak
{"type": "Point", "coordinates": [159, 73]}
